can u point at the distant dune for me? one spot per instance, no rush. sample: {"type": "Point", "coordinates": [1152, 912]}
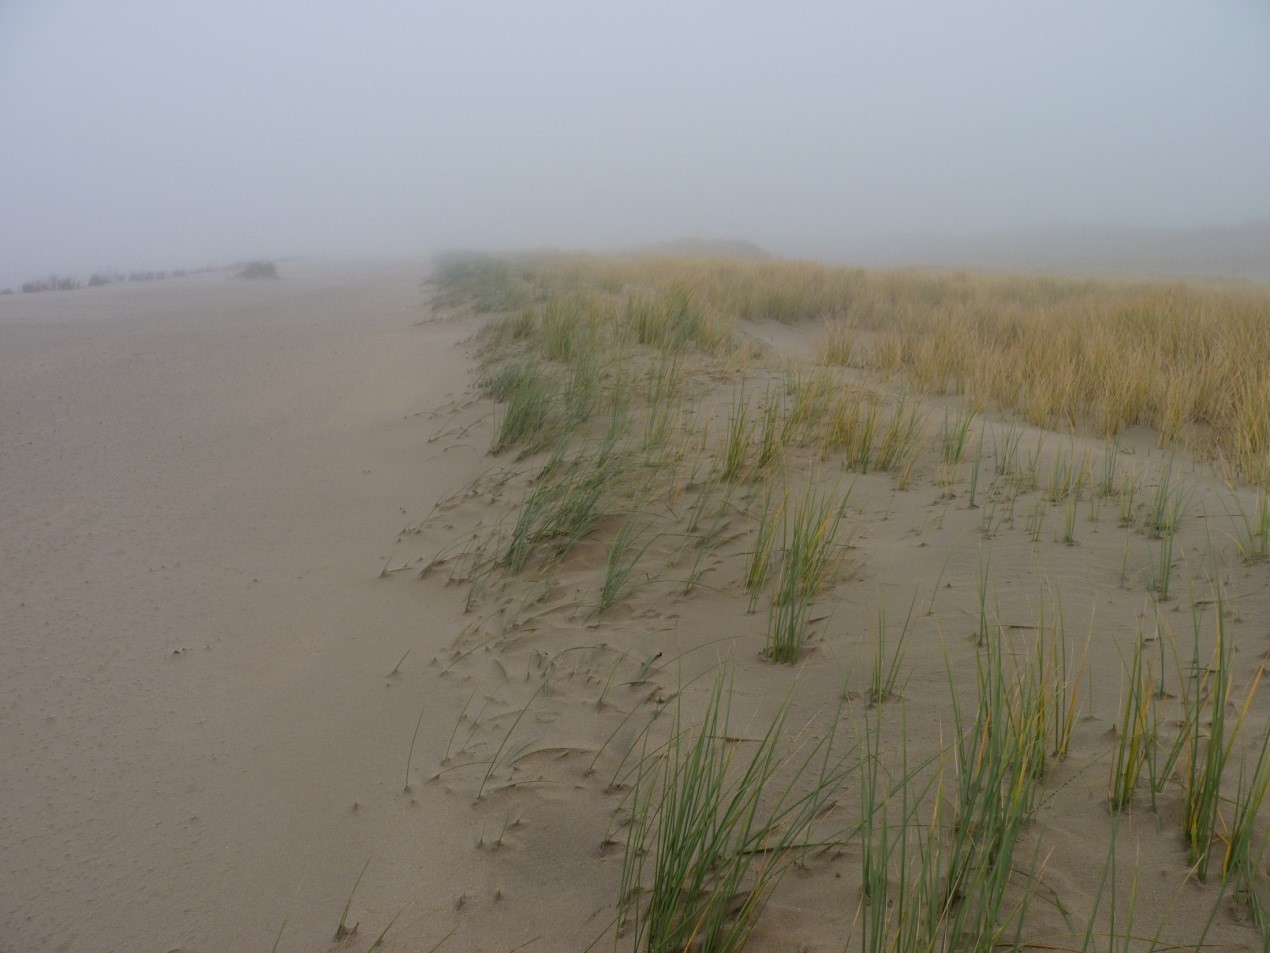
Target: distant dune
{"type": "Point", "coordinates": [1232, 253]}
{"type": "Point", "coordinates": [706, 248]}
{"type": "Point", "coordinates": [1240, 252]}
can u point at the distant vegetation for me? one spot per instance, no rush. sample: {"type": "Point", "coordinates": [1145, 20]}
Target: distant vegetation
{"type": "Point", "coordinates": [258, 269]}
{"type": "Point", "coordinates": [99, 279]}
{"type": "Point", "coordinates": [51, 283]}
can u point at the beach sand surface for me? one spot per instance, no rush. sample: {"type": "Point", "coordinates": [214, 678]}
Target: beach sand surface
{"type": "Point", "coordinates": [203, 479]}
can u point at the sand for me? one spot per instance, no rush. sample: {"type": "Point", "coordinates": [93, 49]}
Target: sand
{"type": "Point", "coordinates": [202, 477]}
{"type": "Point", "coordinates": [218, 500]}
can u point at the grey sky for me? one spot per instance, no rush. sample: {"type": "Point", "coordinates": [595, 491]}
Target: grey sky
{"type": "Point", "coordinates": [166, 134]}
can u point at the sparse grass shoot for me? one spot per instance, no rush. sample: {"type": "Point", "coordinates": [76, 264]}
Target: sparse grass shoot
{"type": "Point", "coordinates": [887, 663]}
{"type": "Point", "coordinates": [1254, 541]}
{"type": "Point", "coordinates": [955, 437]}
{"type": "Point", "coordinates": [1208, 748]}
{"type": "Point", "coordinates": [623, 557]}
{"type": "Point", "coordinates": [770, 521]}
{"type": "Point", "coordinates": [1134, 735]}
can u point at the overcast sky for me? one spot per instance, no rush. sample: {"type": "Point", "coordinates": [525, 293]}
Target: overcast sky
{"type": "Point", "coordinates": [166, 134]}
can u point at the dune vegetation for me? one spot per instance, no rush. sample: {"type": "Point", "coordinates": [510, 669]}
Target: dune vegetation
{"type": "Point", "coordinates": [652, 449]}
{"type": "Point", "coordinates": [1070, 354]}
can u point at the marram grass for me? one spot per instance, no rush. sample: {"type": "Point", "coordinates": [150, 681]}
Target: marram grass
{"type": "Point", "coordinates": [1191, 361]}
{"type": "Point", "coordinates": [715, 823]}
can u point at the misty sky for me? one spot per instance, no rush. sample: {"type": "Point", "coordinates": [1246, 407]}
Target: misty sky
{"type": "Point", "coordinates": [168, 134]}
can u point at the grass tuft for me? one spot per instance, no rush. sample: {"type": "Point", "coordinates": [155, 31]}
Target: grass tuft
{"type": "Point", "coordinates": [566, 503]}
{"type": "Point", "coordinates": [1254, 542]}
{"type": "Point", "coordinates": [1134, 735]}
{"type": "Point", "coordinates": [713, 830]}
{"type": "Point", "coordinates": [811, 557]}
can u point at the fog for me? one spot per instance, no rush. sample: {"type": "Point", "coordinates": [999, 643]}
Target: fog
{"type": "Point", "coordinates": [164, 135]}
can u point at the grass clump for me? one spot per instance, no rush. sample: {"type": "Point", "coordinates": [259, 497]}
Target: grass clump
{"type": "Point", "coordinates": [566, 503]}
{"type": "Point", "coordinates": [1134, 735]}
{"type": "Point", "coordinates": [901, 848]}
{"type": "Point", "coordinates": [512, 328]}
{"type": "Point", "coordinates": [838, 347]}
{"type": "Point", "coordinates": [620, 565]}
{"type": "Point", "coordinates": [759, 565]}
{"type": "Point", "coordinates": [955, 875]}
{"type": "Point", "coordinates": [811, 397]}
{"type": "Point", "coordinates": [770, 433]}
{"type": "Point", "coordinates": [853, 427]}
{"type": "Point", "coordinates": [1168, 506]}
{"type": "Point", "coordinates": [812, 555]}
{"type": "Point", "coordinates": [566, 331]}
{"type": "Point", "coordinates": [713, 829]}
{"type": "Point", "coordinates": [673, 320]}
{"type": "Point", "coordinates": [954, 437]}
{"type": "Point", "coordinates": [901, 441]}
{"type": "Point", "coordinates": [1254, 541]}
{"type": "Point", "coordinates": [885, 669]}
{"type": "Point", "coordinates": [528, 417]}
{"type": "Point", "coordinates": [1000, 762]}
{"type": "Point", "coordinates": [1209, 738]}
{"type": "Point", "coordinates": [484, 283]}
{"type": "Point", "coordinates": [257, 269]}
{"type": "Point", "coordinates": [738, 441]}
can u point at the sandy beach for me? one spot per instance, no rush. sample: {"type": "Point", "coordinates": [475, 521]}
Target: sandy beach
{"type": "Point", "coordinates": [203, 479]}
{"type": "Point", "coordinates": [245, 657]}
